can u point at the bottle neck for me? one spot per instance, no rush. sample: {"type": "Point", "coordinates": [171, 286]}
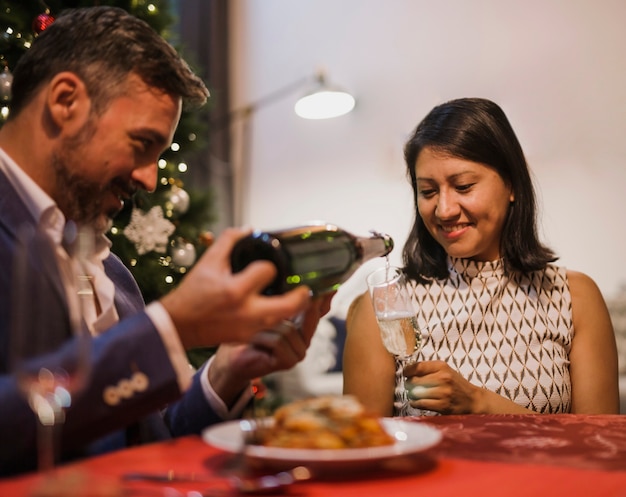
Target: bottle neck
{"type": "Point", "coordinates": [378, 245]}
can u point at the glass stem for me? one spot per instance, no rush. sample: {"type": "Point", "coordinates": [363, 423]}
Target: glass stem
{"type": "Point", "coordinates": [404, 410]}
{"type": "Point", "coordinates": [45, 447]}
{"type": "Point", "coordinates": [48, 438]}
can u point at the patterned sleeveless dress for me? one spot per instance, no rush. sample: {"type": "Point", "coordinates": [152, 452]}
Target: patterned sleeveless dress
{"type": "Point", "coordinates": [509, 334]}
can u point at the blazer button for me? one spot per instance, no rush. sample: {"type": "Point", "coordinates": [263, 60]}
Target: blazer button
{"type": "Point", "coordinates": [125, 389]}
{"type": "Point", "coordinates": [111, 396]}
{"type": "Point", "coordinates": [139, 382]}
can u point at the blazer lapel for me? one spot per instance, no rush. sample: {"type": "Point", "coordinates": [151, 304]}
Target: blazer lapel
{"type": "Point", "coordinates": [14, 216]}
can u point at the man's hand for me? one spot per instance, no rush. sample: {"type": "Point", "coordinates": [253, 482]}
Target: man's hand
{"type": "Point", "coordinates": [276, 349]}
{"type": "Point", "coordinates": [212, 305]}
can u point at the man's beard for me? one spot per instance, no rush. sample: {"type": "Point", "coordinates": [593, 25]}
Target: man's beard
{"type": "Point", "coordinates": [79, 199]}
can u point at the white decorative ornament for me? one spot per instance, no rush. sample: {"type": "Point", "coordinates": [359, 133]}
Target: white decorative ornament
{"type": "Point", "coordinates": [183, 253]}
{"type": "Point", "coordinates": [177, 202]}
{"type": "Point", "coordinates": [149, 230]}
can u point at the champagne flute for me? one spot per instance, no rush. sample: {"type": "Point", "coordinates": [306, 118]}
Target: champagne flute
{"type": "Point", "coordinates": [38, 298]}
{"type": "Point", "coordinates": [396, 318]}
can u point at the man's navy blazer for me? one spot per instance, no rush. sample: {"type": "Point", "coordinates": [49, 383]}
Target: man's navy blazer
{"type": "Point", "coordinates": [93, 424]}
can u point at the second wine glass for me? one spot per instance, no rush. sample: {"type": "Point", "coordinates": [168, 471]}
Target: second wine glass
{"type": "Point", "coordinates": [48, 381]}
{"type": "Point", "coordinates": [396, 318]}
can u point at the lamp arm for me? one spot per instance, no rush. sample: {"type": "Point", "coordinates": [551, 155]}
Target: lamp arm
{"type": "Point", "coordinates": [249, 109]}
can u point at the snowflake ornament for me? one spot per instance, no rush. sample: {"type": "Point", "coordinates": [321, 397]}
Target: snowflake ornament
{"type": "Point", "coordinates": [149, 230]}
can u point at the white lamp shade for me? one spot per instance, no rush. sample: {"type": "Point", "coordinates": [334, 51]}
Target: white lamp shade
{"type": "Point", "coordinates": [324, 104]}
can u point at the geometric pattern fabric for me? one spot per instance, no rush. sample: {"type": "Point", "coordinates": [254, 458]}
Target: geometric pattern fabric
{"type": "Point", "coordinates": [510, 334]}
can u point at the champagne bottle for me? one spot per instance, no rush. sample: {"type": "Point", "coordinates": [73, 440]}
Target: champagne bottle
{"type": "Point", "coordinates": [321, 256]}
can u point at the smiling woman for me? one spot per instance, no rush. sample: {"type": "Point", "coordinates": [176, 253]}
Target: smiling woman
{"type": "Point", "coordinates": [462, 204]}
{"type": "Point", "coordinates": [504, 329]}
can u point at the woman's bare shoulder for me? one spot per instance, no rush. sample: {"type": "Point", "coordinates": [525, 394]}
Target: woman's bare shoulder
{"type": "Point", "coordinates": [581, 284]}
{"type": "Point", "coordinates": [589, 308]}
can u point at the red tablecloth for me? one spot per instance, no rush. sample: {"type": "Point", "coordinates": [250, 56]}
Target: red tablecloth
{"type": "Point", "coordinates": [577, 441]}
{"type": "Point", "coordinates": [479, 456]}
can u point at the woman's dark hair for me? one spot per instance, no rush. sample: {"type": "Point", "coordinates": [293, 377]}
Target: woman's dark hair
{"type": "Point", "coordinates": [476, 130]}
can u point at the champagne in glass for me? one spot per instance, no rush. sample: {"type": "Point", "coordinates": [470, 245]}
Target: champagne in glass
{"type": "Point", "coordinates": [400, 334]}
{"type": "Point", "coordinates": [395, 316]}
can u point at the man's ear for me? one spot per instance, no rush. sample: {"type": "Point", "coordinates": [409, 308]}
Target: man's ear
{"type": "Point", "coordinates": [68, 101]}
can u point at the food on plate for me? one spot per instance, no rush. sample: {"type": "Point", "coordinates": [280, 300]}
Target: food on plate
{"type": "Point", "coordinates": [328, 422]}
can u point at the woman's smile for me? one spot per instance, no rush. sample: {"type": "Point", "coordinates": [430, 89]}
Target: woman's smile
{"type": "Point", "coordinates": [453, 231]}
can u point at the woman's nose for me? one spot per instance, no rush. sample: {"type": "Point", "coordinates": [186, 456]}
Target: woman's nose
{"type": "Point", "coordinates": [446, 207]}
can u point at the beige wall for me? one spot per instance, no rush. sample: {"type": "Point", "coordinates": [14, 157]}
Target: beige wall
{"type": "Point", "coordinates": [557, 67]}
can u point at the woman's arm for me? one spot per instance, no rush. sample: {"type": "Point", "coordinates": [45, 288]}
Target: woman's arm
{"type": "Point", "coordinates": [368, 369]}
{"type": "Point", "coordinates": [593, 356]}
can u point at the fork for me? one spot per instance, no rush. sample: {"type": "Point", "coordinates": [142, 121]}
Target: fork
{"type": "Point", "coordinates": [243, 484]}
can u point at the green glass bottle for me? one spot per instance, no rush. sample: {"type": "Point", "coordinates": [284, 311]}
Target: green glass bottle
{"type": "Point", "coordinates": [321, 256]}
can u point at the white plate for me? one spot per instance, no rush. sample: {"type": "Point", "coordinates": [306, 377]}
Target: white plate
{"type": "Point", "coordinates": [410, 437]}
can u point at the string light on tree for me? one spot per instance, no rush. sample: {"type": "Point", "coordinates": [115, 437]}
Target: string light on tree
{"type": "Point", "coordinates": [149, 6]}
{"type": "Point", "coordinates": [6, 78]}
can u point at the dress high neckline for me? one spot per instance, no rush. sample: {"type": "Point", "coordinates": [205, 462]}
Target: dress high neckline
{"type": "Point", "coordinates": [472, 269]}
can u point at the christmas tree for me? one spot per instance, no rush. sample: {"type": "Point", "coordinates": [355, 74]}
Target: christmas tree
{"type": "Point", "coordinates": [160, 235]}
